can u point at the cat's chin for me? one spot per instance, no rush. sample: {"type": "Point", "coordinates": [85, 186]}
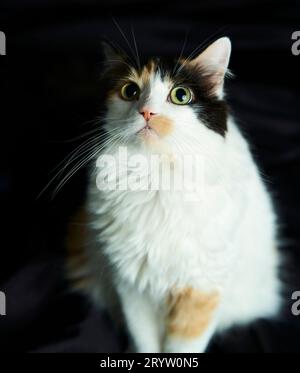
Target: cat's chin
{"type": "Point", "coordinates": [148, 136]}
{"type": "Point", "coordinates": [153, 143]}
{"type": "Point", "coordinates": [147, 131]}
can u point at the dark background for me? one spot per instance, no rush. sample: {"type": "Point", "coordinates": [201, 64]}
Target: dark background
{"type": "Point", "coordinates": [50, 89]}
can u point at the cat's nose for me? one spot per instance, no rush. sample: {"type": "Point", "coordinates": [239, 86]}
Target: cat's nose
{"type": "Point", "coordinates": [147, 114]}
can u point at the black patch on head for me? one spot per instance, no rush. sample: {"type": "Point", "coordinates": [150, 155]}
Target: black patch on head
{"type": "Point", "coordinates": [209, 108]}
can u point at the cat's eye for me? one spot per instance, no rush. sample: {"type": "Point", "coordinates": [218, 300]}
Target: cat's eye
{"type": "Point", "coordinates": [130, 91]}
{"type": "Point", "coordinates": [181, 95]}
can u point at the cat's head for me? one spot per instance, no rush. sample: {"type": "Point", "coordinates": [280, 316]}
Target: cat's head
{"type": "Point", "coordinates": [175, 104]}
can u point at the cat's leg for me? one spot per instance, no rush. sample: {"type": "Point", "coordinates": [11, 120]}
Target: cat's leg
{"type": "Point", "coordinates": [191, 321]}
{"type": "Point", "coordinates": [141, 319]}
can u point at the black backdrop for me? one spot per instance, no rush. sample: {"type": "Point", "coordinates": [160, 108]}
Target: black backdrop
{"type": "Point", "coordinates": [50, 90]}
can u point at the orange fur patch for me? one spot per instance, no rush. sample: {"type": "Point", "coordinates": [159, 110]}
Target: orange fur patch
{"type": "Point", "coordinates": [146, 73]}
{"type": "Point", "coordinates": [190, 312]}
{"type": "Point", "coordinates": [162, 125]}
{"type": "Point", "coordinates": [141, 78]}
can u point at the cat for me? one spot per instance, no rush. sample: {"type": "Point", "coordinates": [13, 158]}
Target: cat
{"type": "Point", "coordinates": [181, 262]}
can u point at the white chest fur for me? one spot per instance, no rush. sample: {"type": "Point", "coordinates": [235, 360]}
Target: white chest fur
{"type": "Point", "coordinates": [161, 239]}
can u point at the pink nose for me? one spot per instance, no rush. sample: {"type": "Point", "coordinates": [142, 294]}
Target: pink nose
{"type": "Point", "coordinates": [147, 114]}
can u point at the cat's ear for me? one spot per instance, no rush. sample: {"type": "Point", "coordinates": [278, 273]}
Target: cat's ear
{"type": "Point", "coordinates": [112, 54]}
{"type": "Point", "coordinates": [213, 62]}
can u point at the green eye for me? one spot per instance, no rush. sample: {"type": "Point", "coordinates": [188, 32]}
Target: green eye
{"type": "Point", "coordinates": [181, 96]}
{"type": "Point", "coordinates": [130, 91]}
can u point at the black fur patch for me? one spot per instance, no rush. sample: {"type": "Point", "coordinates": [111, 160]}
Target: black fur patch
{"type": "Point", "coordinates": [209, 108]}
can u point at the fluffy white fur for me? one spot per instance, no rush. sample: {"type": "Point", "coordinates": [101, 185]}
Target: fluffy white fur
{"type": "Point", "coordinates": [144, 243]}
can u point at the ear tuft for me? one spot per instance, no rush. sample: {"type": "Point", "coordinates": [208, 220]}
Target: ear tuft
{"type": "Point", "coordinates": [214, 60]}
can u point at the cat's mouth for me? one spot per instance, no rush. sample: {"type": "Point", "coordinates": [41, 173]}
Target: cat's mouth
{"type": "Point", "coordinates": [147, 131]}
{"type": "Point", "coordinates": [157, 128]}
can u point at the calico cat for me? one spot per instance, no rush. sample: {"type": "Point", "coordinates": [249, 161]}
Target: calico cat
{"type": "Point", "coordinates": [180, 260]}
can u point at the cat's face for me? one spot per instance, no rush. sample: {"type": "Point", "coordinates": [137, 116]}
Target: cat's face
{"type": "Point", "coordinates": [167, 104]}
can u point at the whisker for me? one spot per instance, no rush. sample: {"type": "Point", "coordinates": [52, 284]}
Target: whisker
{"type": "Point", "coordinates": [85, 144]}
{"type": "Point", "coordinates": [135, 47]}
{"type": "Point", "coordinates": [182, 50]}
{"type": "Point", "coordinates": [82, 163]}
{"type": "Point", "coordinates": [124, 37]}
{"type": "Point", "coordinates": [87, 147]}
